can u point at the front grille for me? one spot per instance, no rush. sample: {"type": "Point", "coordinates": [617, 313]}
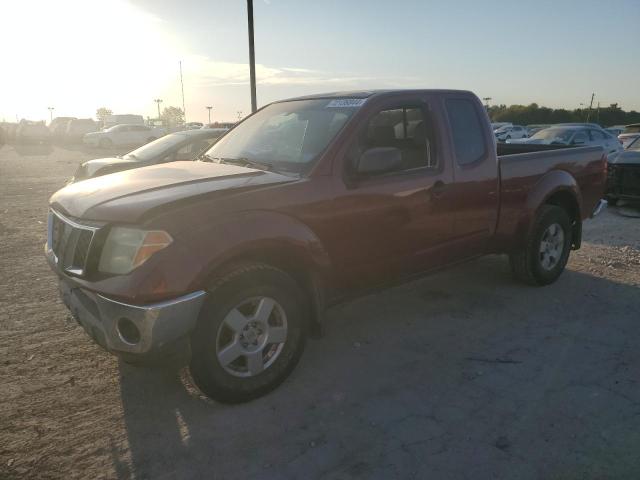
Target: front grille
{"type": "Point", "coordinates": [70, 242]}
{"type": "Point", "coordinates": [624, 180]}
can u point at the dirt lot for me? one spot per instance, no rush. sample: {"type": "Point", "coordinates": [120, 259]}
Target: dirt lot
{"type": "Point", "coordinates": [464, 374]}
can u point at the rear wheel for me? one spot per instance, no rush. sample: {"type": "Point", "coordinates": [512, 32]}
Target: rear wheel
{"type": "Point", "coordinates": [250, 334]}
{"type": "Point", "coordinates": [546, 250]}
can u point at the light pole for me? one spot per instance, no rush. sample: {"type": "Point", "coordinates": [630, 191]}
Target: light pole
{"type": "Point", "coordinates": [51, 109]}
{"type": "Point", "coordinates": [252, 57]}
{"type": "Point", "coordinates": [209, 108]}
{"type": "Point", "coordinates": [158, 102]}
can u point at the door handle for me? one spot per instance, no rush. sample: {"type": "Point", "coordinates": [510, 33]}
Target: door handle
{"type": "Point", "coordinates": [438, 189]}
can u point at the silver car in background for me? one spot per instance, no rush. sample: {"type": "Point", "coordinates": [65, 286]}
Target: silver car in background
{"type": "Point", "coordinates": [576, 135]}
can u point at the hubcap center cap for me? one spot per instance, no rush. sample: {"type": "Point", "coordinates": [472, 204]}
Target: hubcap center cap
{"type": "Point", "coordinates": [252, 335]}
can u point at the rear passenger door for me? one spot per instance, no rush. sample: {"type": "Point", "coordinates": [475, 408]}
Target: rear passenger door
{"type": "Point", "coordinates": [475, 186]}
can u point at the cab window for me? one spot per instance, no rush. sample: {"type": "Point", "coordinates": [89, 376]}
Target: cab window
{"type": "Point", "coordinates": [466, 130]}
{"type": "Point", "coordinates": [407, 129]}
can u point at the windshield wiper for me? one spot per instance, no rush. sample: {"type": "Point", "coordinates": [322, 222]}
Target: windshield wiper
{"type": "Point", "coordinates": [244, 162]}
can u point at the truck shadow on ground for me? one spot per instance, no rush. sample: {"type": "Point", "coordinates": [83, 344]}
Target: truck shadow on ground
{"type": "Point", "coordinates": [463, 371]}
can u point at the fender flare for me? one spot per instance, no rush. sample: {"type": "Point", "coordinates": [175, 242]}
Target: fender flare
{"type": "Point", "coordinates": [270, 237]}
{"type": "Point", "coordinates": [546, 187]}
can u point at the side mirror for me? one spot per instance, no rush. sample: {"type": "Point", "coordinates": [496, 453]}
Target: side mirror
{"type": "Point", "coordinates": [379, 160]}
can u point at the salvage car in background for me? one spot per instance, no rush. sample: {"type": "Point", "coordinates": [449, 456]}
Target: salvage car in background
{"type": "Point", "coordinates": [573, 135]}
{"type": "Point", "coordinates": [510, 131]}
{"type": "Point", "coordinates": [629, 134]}
{"type": "Point", "coordinates": [535, 128]}
{"type": "Point", "coordinates": [77, 128]}
{"type": "Point", "coordinates": [615, 130]}
{"type": "Point", "coordinates": [623, 174]}
{"type": "Point", "coordinates": [32, 132]}
{"type": "Point", "coordinates": [188, 145]}
{"type": "Point", "coordinates": [123, 135]}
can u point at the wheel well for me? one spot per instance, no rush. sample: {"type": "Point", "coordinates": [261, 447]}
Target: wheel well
{"type": "Point", "coordinates": [295, 265]}
{"type": "Point", "coordinates": [567, 201]}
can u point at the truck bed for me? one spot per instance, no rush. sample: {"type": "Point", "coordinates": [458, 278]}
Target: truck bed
{"type": "Point", "coordinates": [522, 175]}
{"type": "Point", "coordinates": [514, 148]}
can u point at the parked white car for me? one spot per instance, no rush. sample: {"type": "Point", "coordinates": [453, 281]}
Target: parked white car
{"type": "Point", "coordinates": [123, 135]}
{"type": "Point", "coordinates": [509, 132]}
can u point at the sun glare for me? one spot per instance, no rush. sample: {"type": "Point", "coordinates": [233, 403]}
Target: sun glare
{"type": "Point", "coordinates": [78, 55]}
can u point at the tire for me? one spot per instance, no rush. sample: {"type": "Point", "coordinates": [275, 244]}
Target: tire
{"type": "Point", "coordinates": [535, 267]}
{"type": "Point", "coordinates": [105, 143]}
{"type": "Point", "coordinates": [233, 379]}
{"type": "Point", "coordinates": [613, 201]}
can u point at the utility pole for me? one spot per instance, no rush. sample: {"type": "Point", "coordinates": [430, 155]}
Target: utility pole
{"type": "Point", "coordinates": [158, 102]}
{"type": "Point", "coordinates": [209, 108]}
{"type": "Point", "coordinates": [590, 106]}
{"type": "Point", "coordinates": [252, 57]}
{"type": "Point", "coordinates": [184, 110]}
{"type": "Point", "coordinates": [51, 109]}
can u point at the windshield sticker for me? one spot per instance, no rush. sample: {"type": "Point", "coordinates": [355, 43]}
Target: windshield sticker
{"type": "Point", "coordinates": [346, 103]}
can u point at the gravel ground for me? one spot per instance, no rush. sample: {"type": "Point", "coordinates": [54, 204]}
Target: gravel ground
{"type": "Point", "coordinates": [463, 374]}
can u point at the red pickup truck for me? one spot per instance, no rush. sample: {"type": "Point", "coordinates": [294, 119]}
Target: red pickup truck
{"type": "Point", "coordinates": [305, 203]}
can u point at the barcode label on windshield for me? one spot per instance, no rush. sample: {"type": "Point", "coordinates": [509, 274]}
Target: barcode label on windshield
{"type": "Point", "coordinates": [346, 103]}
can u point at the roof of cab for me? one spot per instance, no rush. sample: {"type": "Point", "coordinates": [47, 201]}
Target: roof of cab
{"type": "Point", "coordinates": [369, 93]}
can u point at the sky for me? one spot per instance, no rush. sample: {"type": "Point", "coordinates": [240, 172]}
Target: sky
{"type": "Point", "coordinates": [79, 55]}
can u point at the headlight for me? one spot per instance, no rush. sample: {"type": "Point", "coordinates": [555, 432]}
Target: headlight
{"type": "Point", "coordinates": [128, 248]}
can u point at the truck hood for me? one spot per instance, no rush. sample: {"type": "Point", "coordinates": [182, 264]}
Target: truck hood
{"type": "Point", "coordinates": [126, 196]}
{"type": "Point", "coordinates": [90, 167]}
{"type": "Point", "coordinates": [627, 157]}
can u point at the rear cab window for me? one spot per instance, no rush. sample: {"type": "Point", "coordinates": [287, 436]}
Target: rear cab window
{"type": "Point", "coordinates": [467, 130]}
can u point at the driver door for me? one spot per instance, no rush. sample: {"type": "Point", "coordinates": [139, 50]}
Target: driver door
{"type": "Point", "coordinates": [391, 224]}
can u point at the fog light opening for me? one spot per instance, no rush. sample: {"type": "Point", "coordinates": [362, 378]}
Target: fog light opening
{"type": "Point", "coordinates": [128, 331]}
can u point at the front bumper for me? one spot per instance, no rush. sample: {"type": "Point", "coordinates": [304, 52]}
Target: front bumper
{"type": "Point", "coordinates": [158, 325]}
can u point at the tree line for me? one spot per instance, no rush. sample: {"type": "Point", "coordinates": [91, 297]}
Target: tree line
{"type": "Point", "coordinates": [535, 114]}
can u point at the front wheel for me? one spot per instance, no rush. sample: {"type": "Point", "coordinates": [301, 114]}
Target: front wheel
{"type": "Point", "coordinates": [250, 334]}
{"type": "Point", "coordinates": [546, 249]}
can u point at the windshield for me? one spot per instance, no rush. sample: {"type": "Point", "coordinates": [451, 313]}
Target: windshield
{"type": "Point", "coordinates": [555, 134]}
{"type": "Point", "coordinates": [288, 135]}
{"type": "Point", "coordinates": [628, 141]}
{"type": "Point", "coordinates": [155, 148]}
{"type": "Point", "coordinates": [631, 129]}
